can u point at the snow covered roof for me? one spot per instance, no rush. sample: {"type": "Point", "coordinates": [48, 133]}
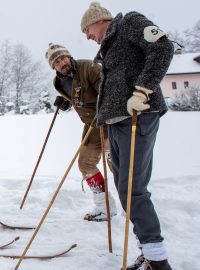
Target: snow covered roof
{"type": "Point", "coordinates": [184, 63]}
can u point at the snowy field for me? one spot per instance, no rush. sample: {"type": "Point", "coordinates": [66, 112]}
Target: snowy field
{"type": "Point", "coordinates": [175, 189]}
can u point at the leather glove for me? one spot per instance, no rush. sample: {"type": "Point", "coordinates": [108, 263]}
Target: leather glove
{"type": "Point", "coordinates": [58, 101]}
{"type": "Point", "coordinates": [139, 99]}
{"type": "Point", "coordinates": [63, 104]}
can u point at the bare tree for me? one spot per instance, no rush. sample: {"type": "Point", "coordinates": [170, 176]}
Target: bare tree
{"type": "Point", "coordinates": [178, 39]}
{"type": "Point", "coordinates": [189, 39]}
{"type": "Point", "coordinates": [27, 77]}
{"type": "Point", "coordinates": [5, 74]}
{"type": "Point", "coordinates": [193, 38]}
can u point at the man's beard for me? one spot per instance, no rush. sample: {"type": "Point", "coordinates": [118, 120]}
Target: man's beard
{"type": "Point", "coordinates": [66, 70]}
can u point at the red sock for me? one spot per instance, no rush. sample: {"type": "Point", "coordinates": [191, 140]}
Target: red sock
{"type": "Point", "coordinates": [96, 183]}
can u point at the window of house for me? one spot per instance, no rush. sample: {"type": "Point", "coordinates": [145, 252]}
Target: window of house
{"type": "Point", "coordinates": [174, 86]}
{"type": "Point", "coordinates": [186, 84]}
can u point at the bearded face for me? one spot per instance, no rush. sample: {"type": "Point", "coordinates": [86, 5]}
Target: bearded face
{"type": "Point", "coordinates": [63, 65]}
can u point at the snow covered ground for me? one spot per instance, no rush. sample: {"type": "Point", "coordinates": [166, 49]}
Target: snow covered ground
{"type": "Point", "coordinates": [175, 189]}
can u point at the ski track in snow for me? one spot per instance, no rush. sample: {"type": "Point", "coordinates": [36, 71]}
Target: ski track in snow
{"type": "Point", "coordinates": [177, 209]}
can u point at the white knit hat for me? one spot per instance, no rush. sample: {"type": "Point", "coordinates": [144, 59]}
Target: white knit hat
{"type": "Point", "coordinates": [54, 51]}
{"type": "Point", "coordinates": [94, 14]}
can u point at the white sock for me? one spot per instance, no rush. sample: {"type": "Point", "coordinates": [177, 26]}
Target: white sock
{"type": "Point", "coordinates": [154, 251]}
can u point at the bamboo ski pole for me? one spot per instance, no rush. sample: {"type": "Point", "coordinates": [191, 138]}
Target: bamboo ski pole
{"type": "Point", "coordinates": [130, 184]}
{"type": "Point", "coordinates": [55, 195]}
{"type": "Point", "coordinates": [40, 156]}
{"type": "Point", "coordinates": [106, 189]}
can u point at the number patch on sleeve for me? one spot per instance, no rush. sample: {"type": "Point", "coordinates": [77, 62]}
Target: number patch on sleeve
{"type": "Point", "coordinates": [152, 33]}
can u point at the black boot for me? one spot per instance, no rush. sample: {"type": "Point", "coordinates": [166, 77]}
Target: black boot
{"type": "Point", "coordinates": [138, 262]}
{"type": "Point", "coordinates": [153, 265]}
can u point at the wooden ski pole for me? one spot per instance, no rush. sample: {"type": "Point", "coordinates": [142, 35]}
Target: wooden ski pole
{"type": "Point", "coordinates": [40, 156]}
{"type": "Point", "coordinates": [55, 195]}
{"type": "Point", "coordinates": [130, 184]}
{"type": "Point", "coordinates": [106, 189]}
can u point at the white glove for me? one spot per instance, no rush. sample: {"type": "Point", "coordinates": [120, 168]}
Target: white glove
{"type": "Point", "coordinates": [138, 101]}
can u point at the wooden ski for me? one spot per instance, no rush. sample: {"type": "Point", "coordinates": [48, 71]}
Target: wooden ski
{"type": "Point", "coordinates": [10, 243]}
{"type": "Point", "coordinates": [41, 257]}
{"type": "Point", "coordinates": [16, 227]}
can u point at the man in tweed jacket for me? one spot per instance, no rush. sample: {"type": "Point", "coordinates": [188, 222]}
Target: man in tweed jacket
{"type": "Point", "coordinates": [77, 82]}
{"type": "Point", "coordinates": [135, 55]}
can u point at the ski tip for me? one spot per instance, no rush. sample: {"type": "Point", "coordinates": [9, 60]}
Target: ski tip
{"type": "Point", "coordinates": [17, 238]}
{"type": "Point", "coordinates": [74, 245]}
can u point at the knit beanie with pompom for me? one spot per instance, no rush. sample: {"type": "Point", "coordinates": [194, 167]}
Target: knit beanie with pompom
{"type": "Point", "coordinates": [94, 14]}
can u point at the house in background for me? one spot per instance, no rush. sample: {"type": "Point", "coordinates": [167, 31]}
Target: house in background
{"type": "Point", "coordinates": [183, 72]}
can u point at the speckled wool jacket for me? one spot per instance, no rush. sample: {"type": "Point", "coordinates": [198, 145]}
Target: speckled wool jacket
{"type": "Point", "coordinates": [85, 88]}
{"type": "Point", "coordinates": [128, 59]}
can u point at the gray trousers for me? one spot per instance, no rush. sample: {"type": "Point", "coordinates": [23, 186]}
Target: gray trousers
{"type": "Point", "coordinates": [143, 215]}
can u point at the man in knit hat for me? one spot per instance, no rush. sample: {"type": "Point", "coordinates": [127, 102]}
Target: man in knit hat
{"type": "Point", "coordinates": [78, 84]}
{"type": "Point", "coordinates": [135, 55]}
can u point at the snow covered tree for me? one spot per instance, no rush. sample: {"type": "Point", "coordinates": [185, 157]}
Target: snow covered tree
{"type": "Point", "coordinates": [24, 109]}
{"type": "Point", "coordinates": [178, 38]}
{"type": "Point", "coordinates": [5, 74]}
{"type": "Point", "coordinates": [9, 106]}
{"type": "Point", "coordinates": [189, 39]}
{"type": "Point", "coordinates": [21, 78]}
{"type": "Point", "coordinates": [186, 100]}
{"type": "Point", "coordinates": [193, 38]}
{"type": "Point", "coordinates": [27, 77]}
{"type": "Point", "coordinates": [195, 98]}
{"type": "Point", "coordinates": [22, 71]}
{"type": "Point", "coordinates": [45, 102]}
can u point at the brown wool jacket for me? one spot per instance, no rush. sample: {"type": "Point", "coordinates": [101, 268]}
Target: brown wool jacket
{"type": "Point", "coordinates": [85, 88]}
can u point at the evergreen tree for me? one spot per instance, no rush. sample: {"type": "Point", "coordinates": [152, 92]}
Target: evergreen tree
{"type": "Point", "coordinates": [45, 101]}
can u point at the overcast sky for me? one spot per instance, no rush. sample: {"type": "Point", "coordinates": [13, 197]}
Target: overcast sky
{"type": "Point", "coordinates": [35, 23]}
